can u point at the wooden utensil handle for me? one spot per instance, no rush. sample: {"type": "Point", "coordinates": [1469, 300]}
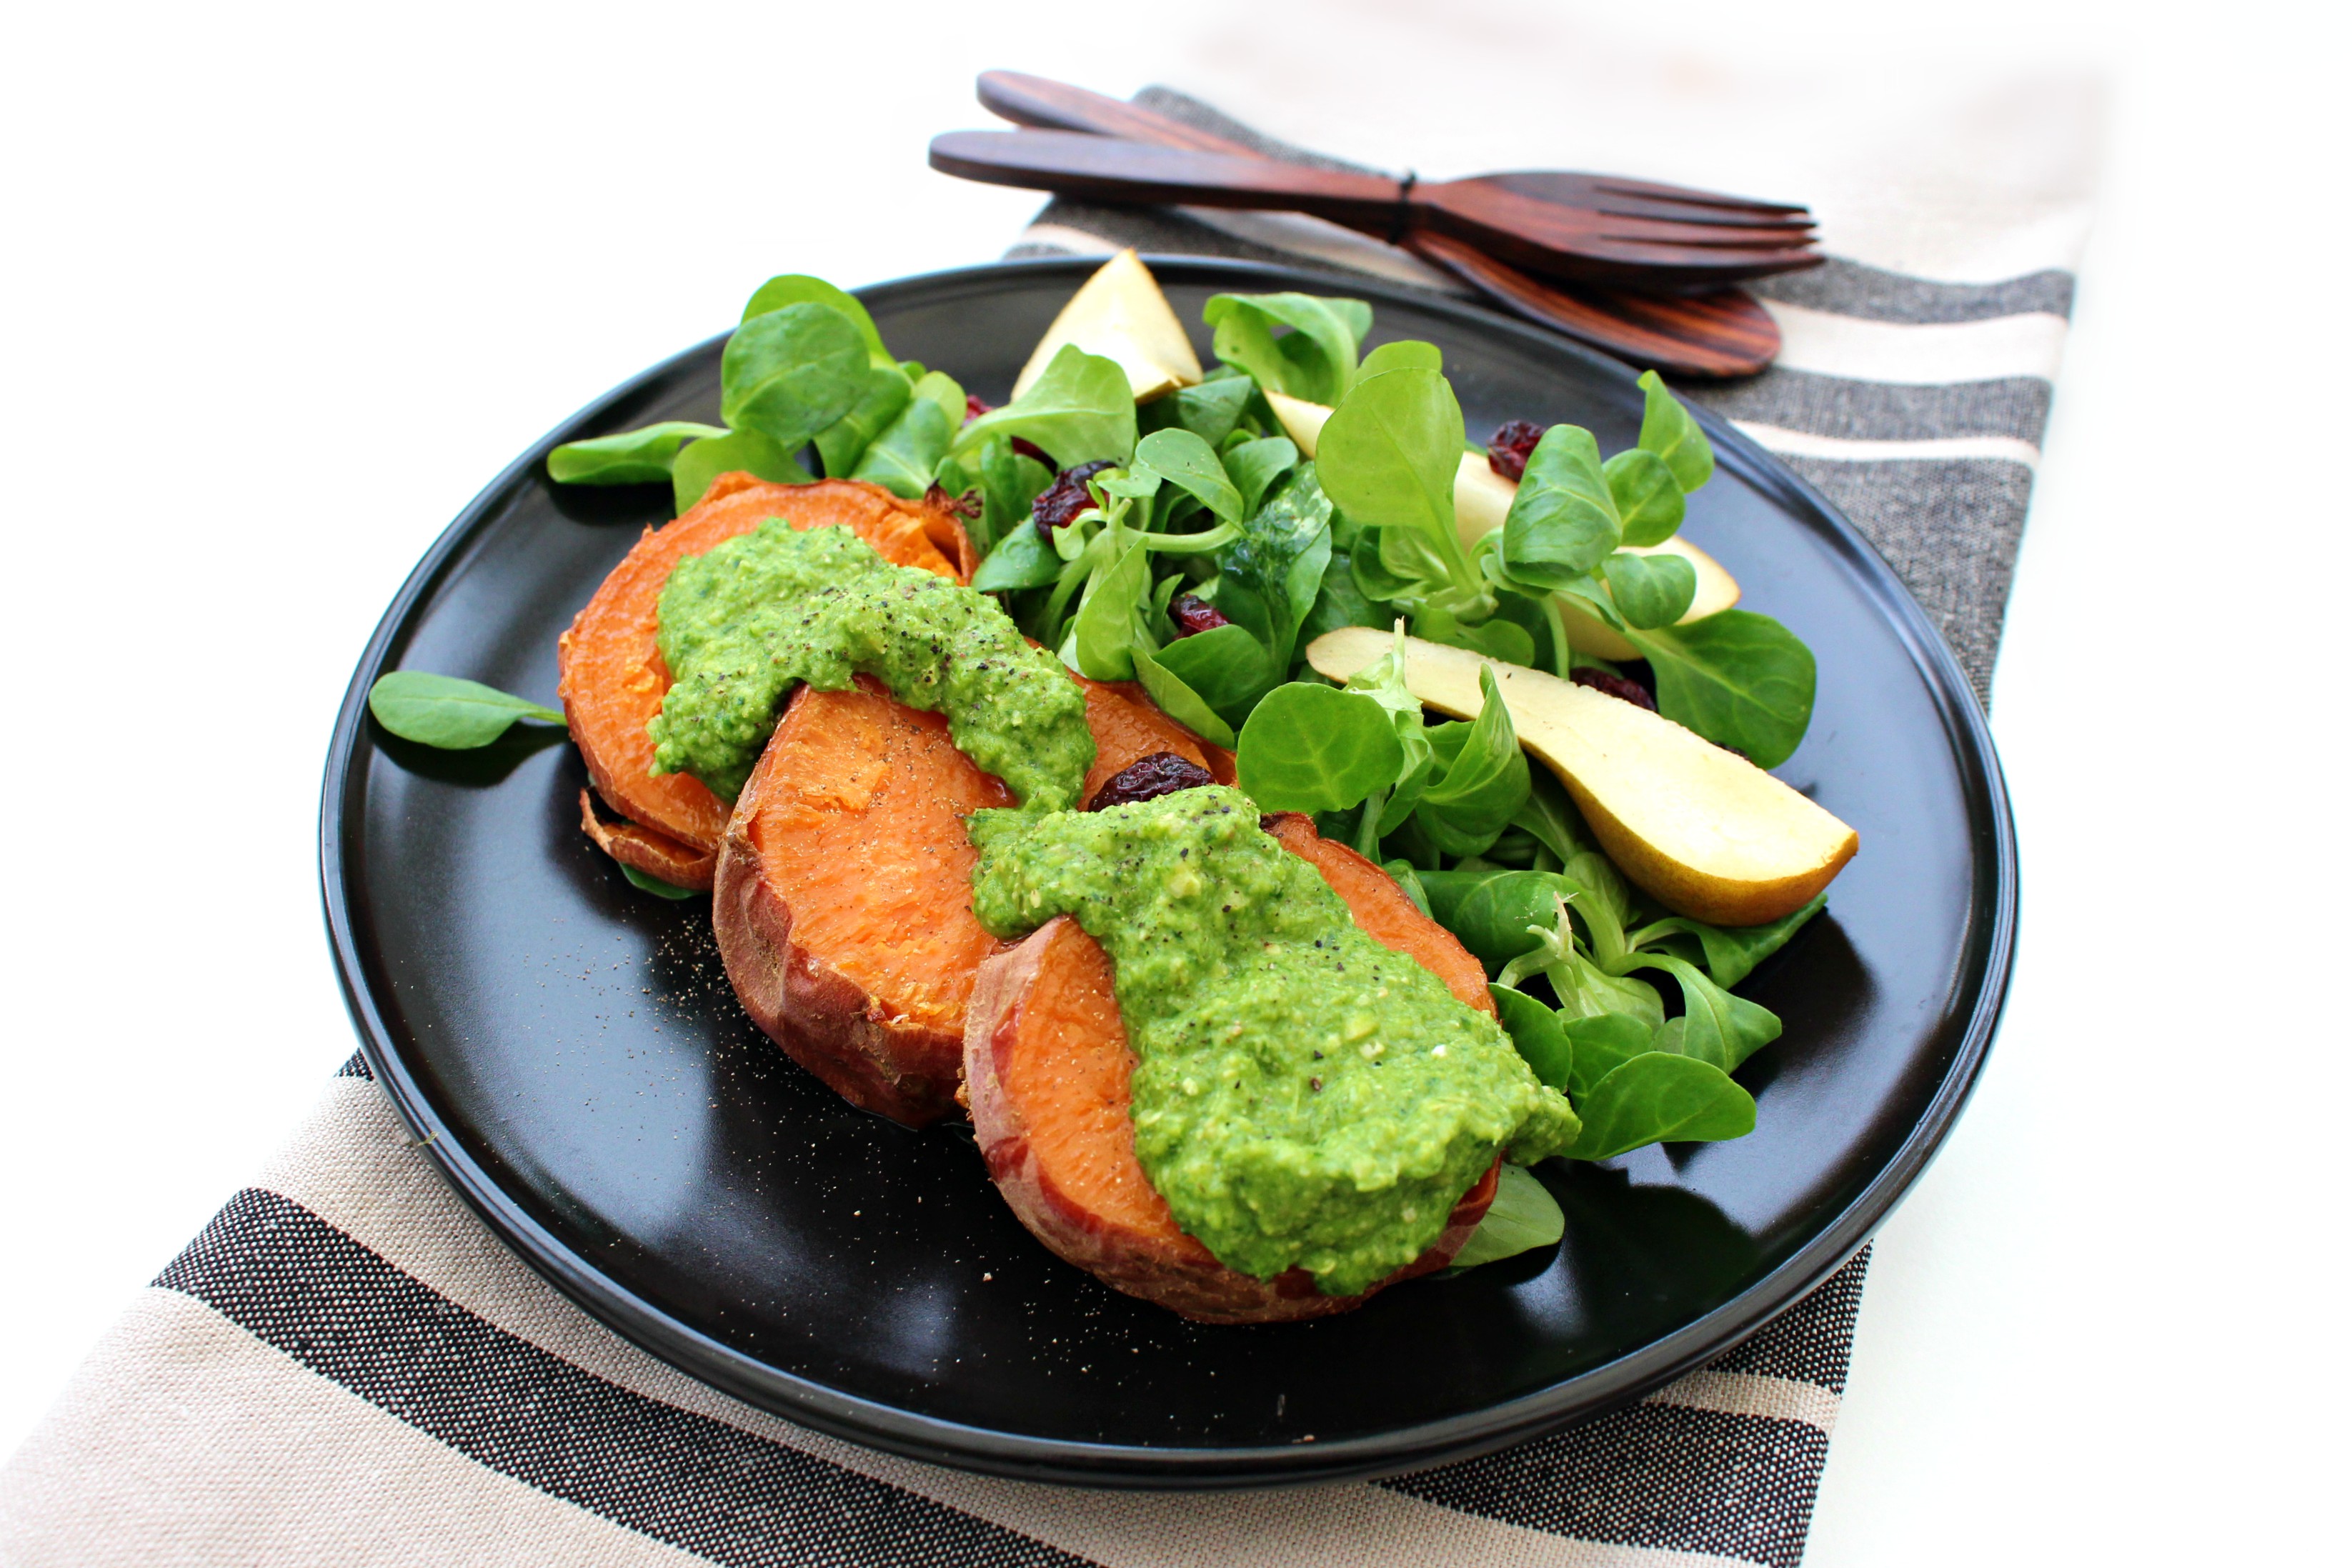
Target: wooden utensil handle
{"type": "Point", "coordinates": [1057, 106]}
{"type": "Point", "coordinates": [1108, 169]}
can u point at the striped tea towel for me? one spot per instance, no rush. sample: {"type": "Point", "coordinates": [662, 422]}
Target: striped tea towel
{"type": "Point", "coordinates": [347, 1368]}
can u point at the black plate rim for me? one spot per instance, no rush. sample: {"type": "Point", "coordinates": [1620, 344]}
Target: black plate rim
{"type": "Point", "coordinates": [966, 1447]}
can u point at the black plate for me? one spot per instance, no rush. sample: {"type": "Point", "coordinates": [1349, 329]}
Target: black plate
{"type": "Point", "coordinates": [601, 1100]}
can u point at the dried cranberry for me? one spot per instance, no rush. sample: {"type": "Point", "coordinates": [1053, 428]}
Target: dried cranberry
{"type": "Point", "coordinates": [1066, 497]}
{"type": "Point", "coordinates": [1161, 773]}
{"type": "Point", "coordinates": [1506, 454]}
{"type": "Point", "coordinates": [975, 406]}
{"type": "Point", "coordinates": [1193, 614]}
{"type": "Point", "coordinates": [1617, 687]}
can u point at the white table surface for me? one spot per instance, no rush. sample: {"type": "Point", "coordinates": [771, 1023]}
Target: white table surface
{"type": "Point", "coordinates": [285, 285]}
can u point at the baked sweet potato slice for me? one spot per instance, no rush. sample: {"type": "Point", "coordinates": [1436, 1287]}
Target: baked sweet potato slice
{"type": "Point", "coordinates": [655, 854]}
{"type": "Point", "coordinates": [613, 680]}
{"type": "Point", "coordinates": [1047, 1065]}
{"type": "Point", "coordinates": [844, 900]}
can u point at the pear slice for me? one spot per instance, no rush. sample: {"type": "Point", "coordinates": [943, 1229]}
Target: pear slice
{"type": "Point", "coordinates": [1701, 829]}
{"type": "Point", "coordinates": [1482, 502]}
{"type": "Point", "coordinates": [1120, 314]}
{"type": "Point", "coordinates": [1301, 421]}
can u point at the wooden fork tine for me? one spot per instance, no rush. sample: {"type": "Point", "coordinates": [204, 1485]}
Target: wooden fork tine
{"type": "Point", "coordinates": [1711, 217]}
{"type": "Point", "coordinates": [1659, 232]}
{"type": "Point", "coordinates": [1691, 263]}
{"type": "Point", "coordinates": [1684, 195]}
{"type": "Point", "coordinates": [1676, 232]}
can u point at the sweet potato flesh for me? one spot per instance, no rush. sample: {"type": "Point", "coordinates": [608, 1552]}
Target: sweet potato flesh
{"type": "Point", "coordinates": [613, 677]}
{"type": "Point", "coordinates": [1062, 1066]}
{"type": "Point", "coordinates": [855, 821]}
{"type": "Point", "coordinates": [858, 826]}
{"type": "Point", "coordinates": [1070, 1078]}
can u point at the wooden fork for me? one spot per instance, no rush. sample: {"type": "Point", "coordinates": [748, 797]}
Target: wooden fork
{"type": "Point", "coordinates": [1718, 334]}
{"type": "Point", "coordinates": [1577, 227]}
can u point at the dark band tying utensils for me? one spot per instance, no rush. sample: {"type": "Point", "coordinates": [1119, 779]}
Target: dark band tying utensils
{"type": "Point", "coordinates": [1404, 224]}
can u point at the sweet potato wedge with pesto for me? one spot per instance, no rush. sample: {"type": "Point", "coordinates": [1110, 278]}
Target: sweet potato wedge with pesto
{"type": "Point", "coordinates": [843, 903]}
{"type": "Point", "coordinates": [1048, 1068]}
{"type": "Point", "coordinates": [612, 679]}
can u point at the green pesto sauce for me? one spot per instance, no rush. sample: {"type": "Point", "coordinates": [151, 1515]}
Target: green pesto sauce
{"type": "Point", "coordinates": [1303, 1095]}
{"type": "Point", "coordinates": [779, 606]}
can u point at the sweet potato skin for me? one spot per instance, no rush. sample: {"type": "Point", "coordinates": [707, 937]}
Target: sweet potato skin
{"type": "Point", "coordinates": [655, 854]}
{"type": "Point", "coordinates": [1047, 1067]}
{"type": "Point", "coordinates": [612, 679]}
{"type": "Point", "coordinates": [842, 896]}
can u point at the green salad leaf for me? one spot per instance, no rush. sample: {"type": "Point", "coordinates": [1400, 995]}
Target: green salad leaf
{"type": "Point", "coordinates": [1387, 457]}
{"type": "Point", "coordinates": [1108, 629]}
{"type": "Point", "coordinates": [1716, 1026]}
{"type": "Point", "coordinates": [1599, 1044]}
{"type": "Point", "coordinates": [446, 712]}
{"type": "Point", "coordinates": [1080, 409]}
{"type": "Point", "coordinates": [1405, 354]}
{"type": "Point", "coordinates": [1009, 484]}
{"type": "Point", "coordinates": [1669, 430]}
{"type": "Point", "coordinates": [1731, 953]}
{"type": "Point", "coordinates": [799, 288]}
{"type": "Point", "coordinates": [1256, 464]}
{"type": "Point", "coordinates": [1339, 601]}
{"type": "Point", "coordinates": [1500, 638]}
{"type": "Point", "coordinates": [1212, 410]}
{"type": "Point", "coordinates": [631, 457]}
{"type": "Point", "coordinates": [882, 395]}
{"type": "Point", "coordinates": [739, 450]}
{"type": "Point", "coordinates": [1536, 1030]}
{"type": "Point", "coordinates": [654, 885]}
{"type": "Point", "coordinates": [945, 391]}
{"type": "Point", "coordinates": [1180, 458]}
{"type": "Point", "coordinates": [1482, 781]}
{"type": "Point", "coordinates": [902, 457]}
{"type": "Point", "coordinates": [1659, 1097]}
{"type": "Point", "coordinates": [1740, 679]}
{"type": "Point", "coordinates": [1308, 747]}
{"type": "Point", "coordinates": [1269, 576]}
{"type": "Point", "coordinates": [1648, 499]}
{"type": "Point", "coordinates": [1316, 359]}
{"type": "Point", "coordinates": [1225, 666]}
{"type": "Point", "coordinates": [1524, 1218]}
{"type": "Point", "coordinates": [1022, 559]}
{"type": "Point", "coordinates": [789, 374]}
{"type": "Point", "coordinates": [1563, 521]}
{"type": "Point", "coordinates": [1650, 591]}
{"type": "Point", "coordinates": [1493, 912]}
{"type": "Point", "coordinates": [1179, 701]}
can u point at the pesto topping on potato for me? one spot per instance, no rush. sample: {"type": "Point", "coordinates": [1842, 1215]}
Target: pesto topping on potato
{"type": "Point", "coordinates": [1303, 1096]}
{"type": "Point", "coordinates": [766, 611]}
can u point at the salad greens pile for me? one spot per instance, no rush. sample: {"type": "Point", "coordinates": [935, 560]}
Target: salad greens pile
{"type": "Point", "coordinates": [1203, 494]}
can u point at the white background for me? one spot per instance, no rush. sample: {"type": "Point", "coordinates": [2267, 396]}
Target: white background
{"type": "Point", "coordinates": [284, 285]}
